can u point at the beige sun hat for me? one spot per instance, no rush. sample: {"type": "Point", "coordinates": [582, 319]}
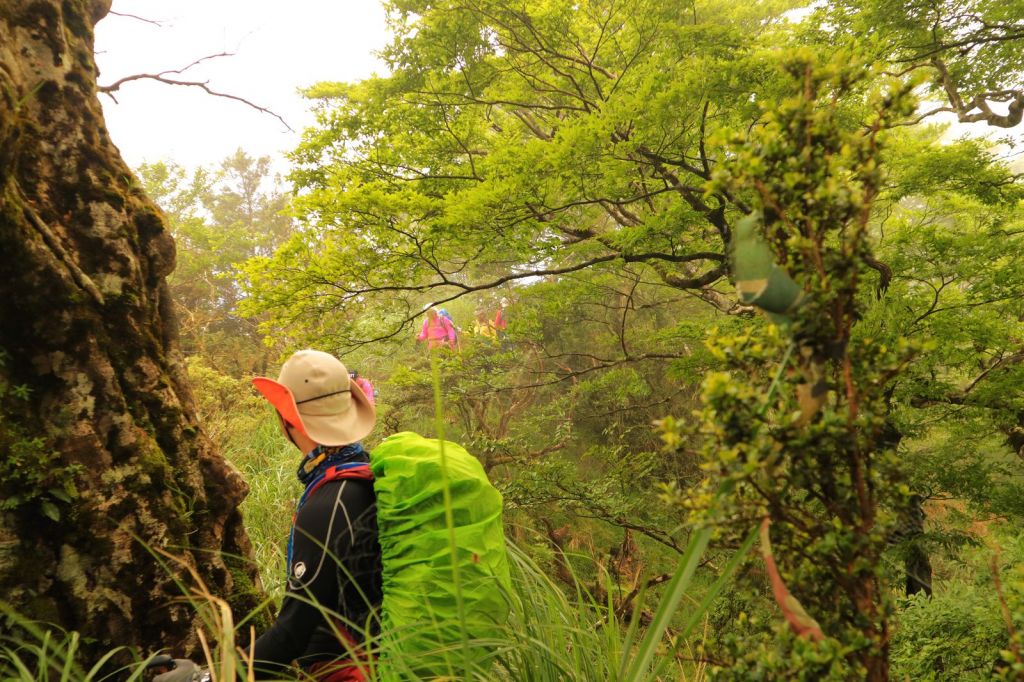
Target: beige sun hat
{"type": "Point", "coordinates": [314, 394]}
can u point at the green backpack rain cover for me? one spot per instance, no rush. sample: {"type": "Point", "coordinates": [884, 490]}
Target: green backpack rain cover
{"type": "Point", "coordinates": [420, 613]}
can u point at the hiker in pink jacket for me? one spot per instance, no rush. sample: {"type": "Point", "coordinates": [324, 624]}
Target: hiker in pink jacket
{"type": "Point", "coordinates": [437, 331]}
{"type": "Point", "coordinates": [368, 390]}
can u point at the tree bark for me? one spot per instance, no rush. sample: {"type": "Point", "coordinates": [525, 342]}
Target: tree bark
{"type": "Point", "coordinates": [93, 397]}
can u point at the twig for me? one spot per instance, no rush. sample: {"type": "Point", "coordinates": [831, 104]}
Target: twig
{"type": "Point", "coordinates": [161, 77]}
{"type": "Point", "coordinates": [117, 84]}
{"type": "Point", "coordinates": [627, 601]}
{"type": "Point", "coordinates": [132, 16]}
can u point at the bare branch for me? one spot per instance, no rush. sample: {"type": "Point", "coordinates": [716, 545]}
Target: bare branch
{"type": "Point", "coordinates": [117, 84]}
{"type": "Point", "coordinates": [132, 16]}
{"type": "Point", "coordinates": [161, 77]}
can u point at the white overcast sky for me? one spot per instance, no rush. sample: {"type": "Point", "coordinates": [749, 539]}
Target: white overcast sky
{"type": "Point", "coordinates": [278, 48]}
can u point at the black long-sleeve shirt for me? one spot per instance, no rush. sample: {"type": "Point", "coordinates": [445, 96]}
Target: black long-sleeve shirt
{"type": "Point", "coordinates": [336, 563]}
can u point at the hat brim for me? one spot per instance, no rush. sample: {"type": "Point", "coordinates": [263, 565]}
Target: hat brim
{"type": "Point", "coordinates": [280, 396]}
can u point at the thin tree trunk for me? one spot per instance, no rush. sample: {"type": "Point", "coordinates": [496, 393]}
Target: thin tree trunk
{"type": "Point", "coordinates": [89, 369]}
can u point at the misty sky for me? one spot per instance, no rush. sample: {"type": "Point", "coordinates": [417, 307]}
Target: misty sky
{"type": "Point", "coordinates": [279, 47]}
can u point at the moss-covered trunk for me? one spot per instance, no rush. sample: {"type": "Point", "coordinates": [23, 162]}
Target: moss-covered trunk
{"type": "Point", "coordinates": [102, 453]}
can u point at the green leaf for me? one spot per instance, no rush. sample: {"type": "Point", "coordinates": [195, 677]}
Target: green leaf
{"type": "Point", "coordinates": [50, 510]}
{"type": "Point", "coordinates": [60, 494]}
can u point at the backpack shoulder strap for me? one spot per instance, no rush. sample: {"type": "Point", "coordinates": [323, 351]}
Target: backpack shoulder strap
{"type": "Point", "coordinates": [360, 470]}
{"type": "Point", "coordinates": [357, 470]}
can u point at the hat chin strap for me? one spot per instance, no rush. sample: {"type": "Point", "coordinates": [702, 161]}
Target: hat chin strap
{"type": "Point", "coordinates": [325, 395]}
{"type": "Point", "coordinates": [288, 433]}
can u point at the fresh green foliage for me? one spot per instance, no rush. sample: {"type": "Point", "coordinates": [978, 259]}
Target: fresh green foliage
{"type": "Point", "coordinates": [219, 219]}
{"type": "Point", "coordinates": [817, 457]}
{"type": "Point", "coordinates": [612, 169]}
{"type": "Point", "coordinates": [953, 239]}
{"type": "Point", "coordinates": [511, 143]}
{"type": "Point", "coordinates": [969, 50]}
{"type": "Point", "coordinates": [972, 635]}
{"type": "Point", "coordinates": [568, 155]}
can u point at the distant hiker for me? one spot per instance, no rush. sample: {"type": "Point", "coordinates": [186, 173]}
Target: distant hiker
{"type": "Point", "coordinates": [483, 325]}
{"type": "Point", "coordinates": [499, 318]}
{"type": "Point", "coordinates": [438, 331]}
{"type": "Point", "coordinates": [333, 558]}
{"type": "Point", "coordinates": [368, 390]}
{"type": "Point", "coordinates": [500, 325]}
{"type": "Point", "coordinates": [446, 315]}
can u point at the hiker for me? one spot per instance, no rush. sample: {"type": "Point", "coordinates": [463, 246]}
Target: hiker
{"type": "Point", "coordinates": [483, 327]}
{"type": "Point", "coordinates": [334, 558]}
{"type": "Point", "coordinates": [368, 390]}
{"type": "Point", "coordinates": [499, 318]}
{"type": "Point", "coordinates": [442, 312]}
{"type": "Point", "coordinates": [400, 512]}
{"type": "Point", "coordinates": [438, 331]}
{"type": "Point", "coordinates": [500, 325]}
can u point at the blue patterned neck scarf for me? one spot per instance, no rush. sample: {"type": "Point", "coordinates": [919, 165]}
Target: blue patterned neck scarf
{"type": "Point", "coordinates": [316, 462]}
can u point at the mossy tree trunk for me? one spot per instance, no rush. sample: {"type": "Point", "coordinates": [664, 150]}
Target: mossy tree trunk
{"type": "Point", "coordinates": [102, 455]}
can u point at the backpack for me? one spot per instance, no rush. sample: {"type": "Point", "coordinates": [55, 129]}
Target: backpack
{"type": "Point", "coordinates": [421, 606]}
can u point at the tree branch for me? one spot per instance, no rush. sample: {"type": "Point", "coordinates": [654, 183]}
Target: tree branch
{"type": "Point", "coordinates": [132, 16]}
{"type": "Point", "coordinates": [1011, 118]}
{"type": "Point", "coordinates": [161, 77]}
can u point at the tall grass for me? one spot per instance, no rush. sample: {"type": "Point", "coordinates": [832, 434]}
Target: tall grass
{"type": "Point", "coordinates": [267, 462]}
{"type": "Point", "coordinates": [31, 652]}
{"type": "Point", "coordinates": [552, 634]}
